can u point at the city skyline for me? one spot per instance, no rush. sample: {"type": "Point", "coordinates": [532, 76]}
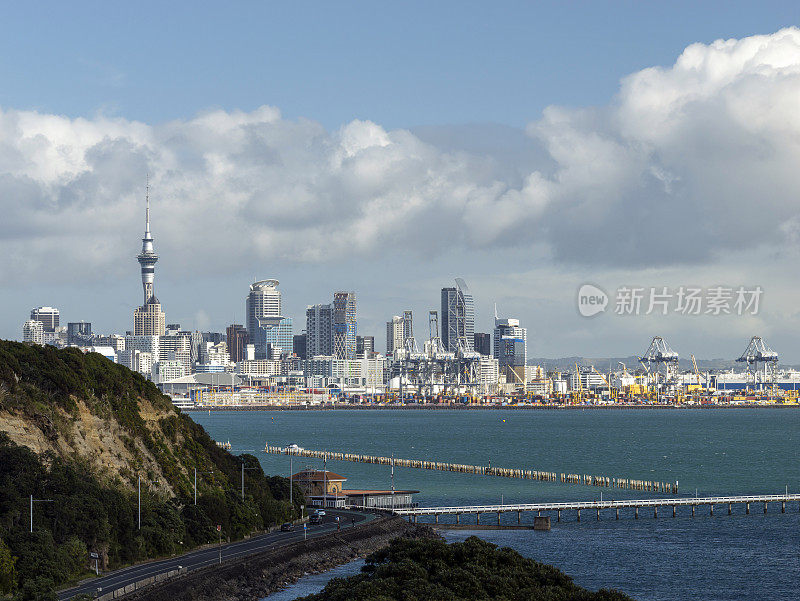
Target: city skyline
{"type": "Point", "coordinates": [609, 185]}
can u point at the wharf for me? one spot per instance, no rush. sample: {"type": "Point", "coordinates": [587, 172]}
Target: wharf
{"type": "Point", "coordinates": [598, 506]}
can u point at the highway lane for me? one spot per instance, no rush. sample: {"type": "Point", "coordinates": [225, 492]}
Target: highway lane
{"type": "Point", "coordinates": [210, 555]}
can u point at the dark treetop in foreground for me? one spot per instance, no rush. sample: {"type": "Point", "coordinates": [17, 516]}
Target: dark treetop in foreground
{"type": "Point", "coordinates": [423, 570]}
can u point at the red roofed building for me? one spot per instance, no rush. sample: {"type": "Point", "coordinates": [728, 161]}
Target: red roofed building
{"type": "Point", "coordinates": [324, 488]}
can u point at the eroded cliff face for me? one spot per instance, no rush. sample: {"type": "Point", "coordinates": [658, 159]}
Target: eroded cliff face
{"type": "Point", "coordinates": [97, 439]}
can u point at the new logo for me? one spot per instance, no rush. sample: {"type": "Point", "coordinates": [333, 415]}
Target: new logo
{"type": "Point", "coordinates": [591, 300]}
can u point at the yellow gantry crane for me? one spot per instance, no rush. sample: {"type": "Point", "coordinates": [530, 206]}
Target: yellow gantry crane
{"type": "Point", "coordinates": [608, 384]}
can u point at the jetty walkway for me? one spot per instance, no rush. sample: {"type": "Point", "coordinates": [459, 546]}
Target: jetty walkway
{"type": "Point", "coordinates": [485, 470]}
{"type": "Point", "coordinates": [636, 504]}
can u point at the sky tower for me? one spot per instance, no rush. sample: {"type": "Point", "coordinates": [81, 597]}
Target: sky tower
{"type": "Point", "coordinates": [149, 319]}
{"type": "Point", "coordinates": [147, 258]}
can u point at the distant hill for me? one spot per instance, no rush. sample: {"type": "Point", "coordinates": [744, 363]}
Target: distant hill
{"type": "Point", "coordinates": [81, 430]}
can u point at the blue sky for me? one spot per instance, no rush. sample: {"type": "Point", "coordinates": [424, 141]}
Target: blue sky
{"type": "Point", "coordinates": [389, 147]}
{"type": "Point", "coordinates": [401, 64]}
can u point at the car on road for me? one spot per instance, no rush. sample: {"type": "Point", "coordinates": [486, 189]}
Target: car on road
{"type": "Point", "coordinates": [315, 519]}
{"type": "Point", "coordinates": [319, 512]}
{"type": "Point", "coordinates": [287, 527]}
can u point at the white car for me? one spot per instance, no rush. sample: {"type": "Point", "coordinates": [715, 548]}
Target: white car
{"type": "Point", "coordinates": [319, 512]}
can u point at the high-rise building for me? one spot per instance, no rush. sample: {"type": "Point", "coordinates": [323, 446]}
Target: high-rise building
{"type": "Point", "coordinates": [319, 330]}
{"type": "Point", "coordinates": [299, 345]}
{"type": "Point", "coordinates": [33, 331]}
{"type": "Point", "coordinates": [483, 344]}
{"type": "Point", "coordinates": [149, 319]}
{"type": "Point", "coordinates": [365, 347]}
{"type": "Point", "coordinates": [278, 338]}
{"type": "Point", "coordinates": [395, 330]}
{"type": "Point", "coordinates": [237, 338]}
{"type": "Point", "coordinates": [143, 344]}
{"type": "Point", "coordinates": [79, 333]}
{"type": "Point", "coordinates": [458, 318]}
{"type": "Point", "coordinates": [408, 325]}
{"type": "Point", "coordinates": [345, 326]}
{"type": "Point", "coordinates": [48, 316]}
{"type": "Point", "coordinates": [265, 322]}
{"type": "Point", "coordinates": [176, 347]}
{"type": "Point", "coordinates": [510, 349]}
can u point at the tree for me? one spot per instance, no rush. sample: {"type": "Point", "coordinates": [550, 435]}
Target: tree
{"type": "Point", "coordinates": [8, 572]}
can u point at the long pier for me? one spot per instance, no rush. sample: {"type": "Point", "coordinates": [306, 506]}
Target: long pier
{"type": "Point", "coordinates": [597, 506]}
{"type": "Point", "coordinates": [483, 470]}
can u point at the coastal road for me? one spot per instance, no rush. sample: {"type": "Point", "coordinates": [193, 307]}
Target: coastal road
{"type": "Point", "coordinates": [193, 560]}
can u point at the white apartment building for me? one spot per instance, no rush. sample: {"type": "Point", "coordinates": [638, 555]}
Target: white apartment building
{"type": "Point", "coordinates": [33, 331]}
{"type": "Point", "coordinates": [164, 371]}
{"type": "Point", "coordinates": [214, 354]}
{"type": "Point", "coordinates": [178, 347]}
{"type": "Point", "coordinates": [136, 360]}
{"type": "Point", "coordinates": [260, 367]}
{"type": "Point", "coordinates": [488, 375]}
{"type": "Point", "coordinates": [144, 344]}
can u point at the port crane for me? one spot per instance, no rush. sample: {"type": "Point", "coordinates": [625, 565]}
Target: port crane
{"type": "Point", "coordinates": [757, 352]}
{"type": "Point", "coordinates": [660, 353]}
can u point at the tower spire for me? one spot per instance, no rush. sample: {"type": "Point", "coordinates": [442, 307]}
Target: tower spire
{"type": "Point", "coordinates": [147, 209]}
{"type": "Point", "coordinates": [148, 257]}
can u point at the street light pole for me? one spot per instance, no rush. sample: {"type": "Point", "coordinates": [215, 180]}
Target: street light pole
{"type": "Point", "coordinates": [38, 501]}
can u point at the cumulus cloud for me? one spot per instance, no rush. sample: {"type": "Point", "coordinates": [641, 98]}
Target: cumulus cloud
{"type": "Point", "coordinates": [684, 164]}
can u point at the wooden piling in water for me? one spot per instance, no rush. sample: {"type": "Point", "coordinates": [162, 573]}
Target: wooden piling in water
{"type": "Point", "coordinates": [584, 479]}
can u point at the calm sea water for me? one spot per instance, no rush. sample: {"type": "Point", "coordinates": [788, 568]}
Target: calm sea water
{"type": "Point", "coordinates": [711, 451]}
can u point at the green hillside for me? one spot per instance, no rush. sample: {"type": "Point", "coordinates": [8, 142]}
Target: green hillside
{"type": "Point", "coordinates": [82, 431]}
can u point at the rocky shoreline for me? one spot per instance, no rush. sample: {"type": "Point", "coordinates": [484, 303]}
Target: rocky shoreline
{"type": "Point", "coordinates": [256, 576]}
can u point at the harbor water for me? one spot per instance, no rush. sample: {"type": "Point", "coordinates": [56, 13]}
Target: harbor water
{"type": "Point", "coordinates": [708, 451]}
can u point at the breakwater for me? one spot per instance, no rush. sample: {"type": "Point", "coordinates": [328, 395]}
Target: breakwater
{"type": "Point", "coordinates": [256, 576]}
{"type": "Point", "coordinates": [484, 470]}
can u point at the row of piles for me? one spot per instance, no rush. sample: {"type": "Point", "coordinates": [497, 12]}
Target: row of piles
{"type": "Point", "coordinates": [584, 479]}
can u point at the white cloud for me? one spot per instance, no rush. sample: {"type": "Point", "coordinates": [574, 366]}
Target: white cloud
{"type": "Point", "coordinates": [685, 164]}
